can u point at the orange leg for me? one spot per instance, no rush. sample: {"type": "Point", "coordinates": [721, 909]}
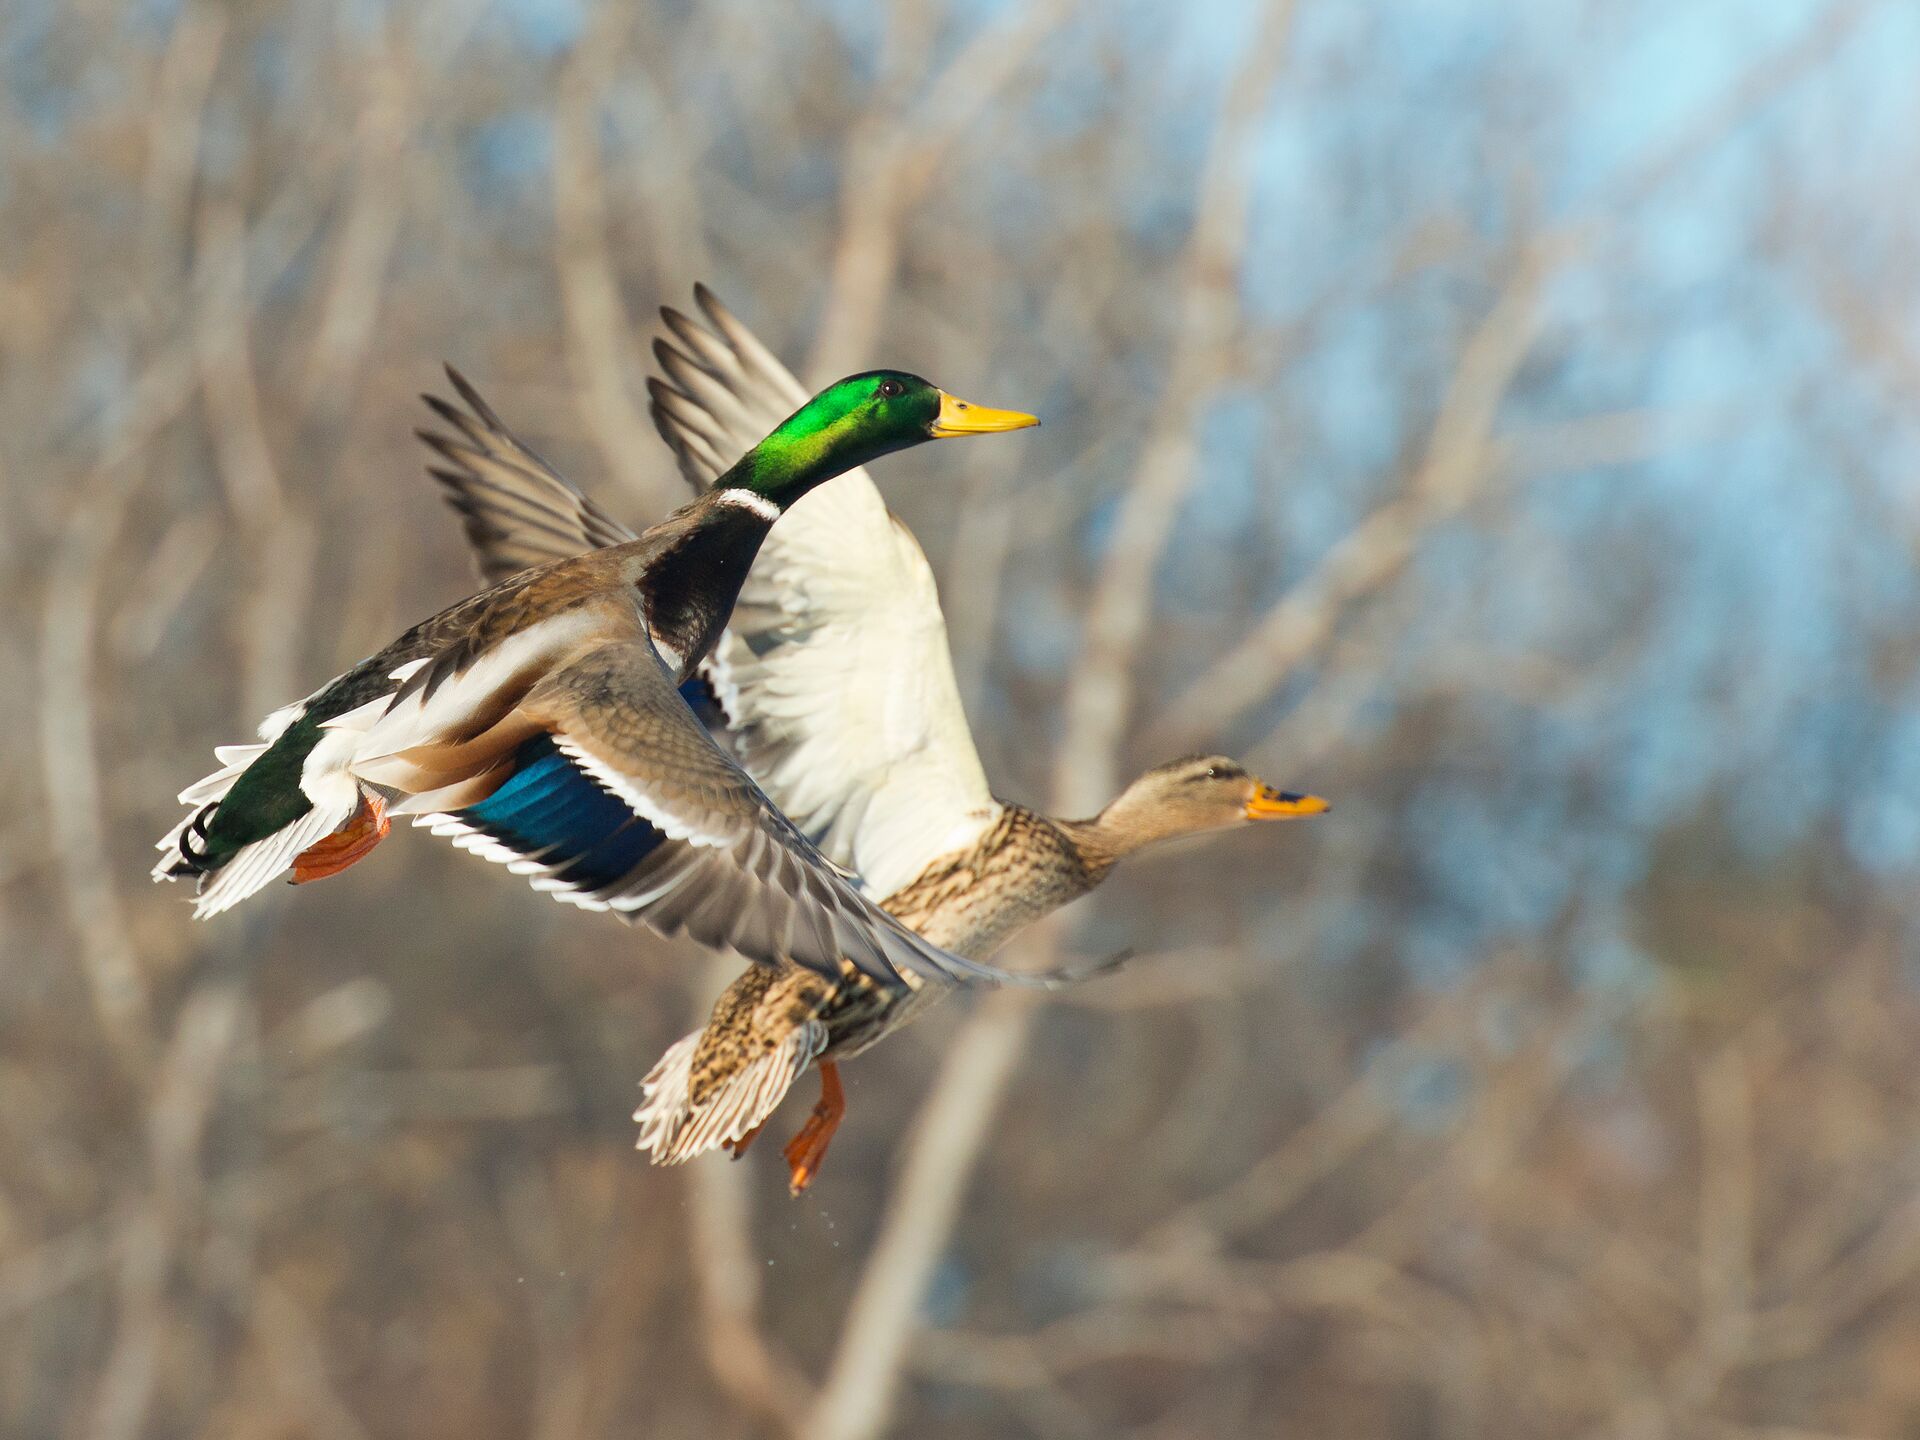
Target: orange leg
{"type": "Point", "coordinates": [351, 842]}
{"type": "Point", "coordinates": [807, 1149]}
{"type": "Point", "coordinates": [739, 1147]}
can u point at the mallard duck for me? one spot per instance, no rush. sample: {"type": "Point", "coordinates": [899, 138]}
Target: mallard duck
{"type": "Point", "coordinates": [537, 723]}
{"type": "Point", "coordinates": [836, 685]}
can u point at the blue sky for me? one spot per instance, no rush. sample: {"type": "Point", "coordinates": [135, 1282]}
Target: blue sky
{"type": "Point", "coordinates": [1757, 570]}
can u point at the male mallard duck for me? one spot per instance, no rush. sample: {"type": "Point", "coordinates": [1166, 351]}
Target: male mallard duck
{"type": "Point", "coordinates": [836, 683]}
{"type": "Point", "coordinates": [538, 722]}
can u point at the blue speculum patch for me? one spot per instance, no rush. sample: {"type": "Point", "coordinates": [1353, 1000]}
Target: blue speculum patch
{"type": "Point", "coordinates": [549, 810]}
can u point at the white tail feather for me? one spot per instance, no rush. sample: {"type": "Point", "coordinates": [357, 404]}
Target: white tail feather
{"type": "Point", "coordinates": [324, 775]}
{"type": "Point", "coordinates": [234, 760]}
{"type": "Point", "coordinates": [253, 866]}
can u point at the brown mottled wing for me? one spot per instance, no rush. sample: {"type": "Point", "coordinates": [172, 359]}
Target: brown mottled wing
{"type": "Point", "coordinates": [731, 870]}
{"type": "Point", "coordinates": [517, 509]}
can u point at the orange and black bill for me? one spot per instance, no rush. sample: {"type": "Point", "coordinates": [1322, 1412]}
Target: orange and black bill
{"type": "Point", "coordinates": [1271, 804]}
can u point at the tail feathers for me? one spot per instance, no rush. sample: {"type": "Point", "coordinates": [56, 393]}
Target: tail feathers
{"type": "Point", "coordinates": [675, 1130]}
{"type": "Point", "coordinates": [182, 849]}
{"type": "Point", "coordinates": [228, 878]}
{"type": "Point", "coordinates": [254, 866]}
{"type": "Point", "coordinates": [666, 1099]}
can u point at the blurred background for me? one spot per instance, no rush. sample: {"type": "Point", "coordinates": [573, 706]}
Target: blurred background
{"type": "Point", "coordinates": [1498, 418]}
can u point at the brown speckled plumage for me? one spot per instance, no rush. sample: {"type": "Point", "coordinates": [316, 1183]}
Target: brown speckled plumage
{"type": "Point", "coordinates": [1023, 867]}
{"type": "Point", "coordinates": [970, 902]}
{"type": "Point", "coordinates": [750, 1020]}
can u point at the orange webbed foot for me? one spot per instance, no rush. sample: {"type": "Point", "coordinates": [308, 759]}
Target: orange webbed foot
{"type": "Point", "coordinates": [351, 843]}
{"type": "Point", "coordinates": [807, 1150]}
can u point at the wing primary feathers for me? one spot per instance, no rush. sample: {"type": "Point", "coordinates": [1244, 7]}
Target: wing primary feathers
{"type": "Point", "coordinates": [452, 416]}
{"type": "Point", "coordinates": [780, 383]}
{"type": "Point", "coordinates": [472, 398]}
{"type": "Point", "coordinates": [519, 511]}
{"type": "Point", "coordinates": [504, 501]}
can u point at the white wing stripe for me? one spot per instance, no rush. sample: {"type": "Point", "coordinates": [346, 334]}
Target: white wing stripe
{"type": "Point", "coordinates": [478, 842]}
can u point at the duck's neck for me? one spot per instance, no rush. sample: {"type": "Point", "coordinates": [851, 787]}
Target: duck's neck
{"type": "Point", "coordinates": [810, 447]}
{"type": "Point", "coordinates": [1100, 844]}
{"type": "Point", "coordinates": [692, 583]}
{"type": "Point", "coordinates": [784, 467]}
{"type": "Point", "coordinates": [1124, 828]}
{"type": "Point", "coordinates": [689, 585]}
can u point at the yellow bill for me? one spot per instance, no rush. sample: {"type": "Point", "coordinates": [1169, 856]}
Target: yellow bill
{"type": "Point", "coordinates": [962, 417]}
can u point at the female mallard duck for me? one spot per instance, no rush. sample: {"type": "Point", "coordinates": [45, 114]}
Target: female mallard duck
{"type": "Point", "coordinates": [538, 722]}
{"type": "Point", "coordinates": [835, 681]}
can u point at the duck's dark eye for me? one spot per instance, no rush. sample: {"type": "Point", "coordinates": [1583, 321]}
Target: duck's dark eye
{"type": "Point", "coordinates": [891, 388]}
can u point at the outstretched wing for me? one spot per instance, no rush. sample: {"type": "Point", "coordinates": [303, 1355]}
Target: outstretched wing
{"type": "Point", "coordinates": [517, 510]}
{"type": "Point", "coordinates": [834, 672]}
{"type": "Point", "coordinates": [618, 799]}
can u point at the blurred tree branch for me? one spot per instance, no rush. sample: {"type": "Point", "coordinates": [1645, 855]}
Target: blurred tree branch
{"type": "Point", "coordinates": [1458, 463]}
{"type": "Point", "coordinates": [1099, 696]}
{"type": "Point", "coordinates": [599, 344]}
{"type": "Point", "coordinates": [895, 150]}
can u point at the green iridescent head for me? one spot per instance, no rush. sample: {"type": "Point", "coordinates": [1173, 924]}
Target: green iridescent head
{"type": "Point", "coordinates": [856, 420]}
